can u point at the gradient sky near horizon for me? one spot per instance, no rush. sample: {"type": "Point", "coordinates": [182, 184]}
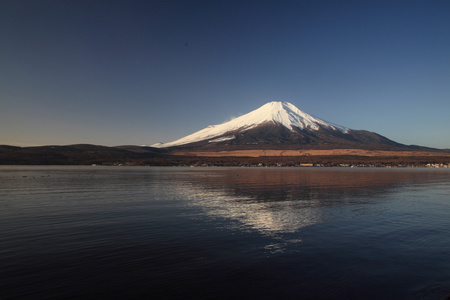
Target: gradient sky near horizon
{"type": "Point", "coordinates": [140, 72]}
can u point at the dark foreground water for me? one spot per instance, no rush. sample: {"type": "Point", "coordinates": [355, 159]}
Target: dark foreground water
{"type": "Point", "coordinates": [217, 233]}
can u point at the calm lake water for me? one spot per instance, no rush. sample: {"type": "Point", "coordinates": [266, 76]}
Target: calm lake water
{"type": "Point", "coordinates": [224, 233]}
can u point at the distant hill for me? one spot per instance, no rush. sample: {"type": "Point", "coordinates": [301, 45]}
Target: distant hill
{"type": "Point", "coordinates": [74, 154]}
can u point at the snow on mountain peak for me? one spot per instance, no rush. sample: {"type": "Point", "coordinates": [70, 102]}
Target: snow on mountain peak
{"type": "Point", "coordinates": [278, 112]}
{"type": "Point", "coordinates": [290, 116]}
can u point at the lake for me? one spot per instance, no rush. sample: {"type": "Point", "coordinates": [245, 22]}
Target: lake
{"type": "Point", "coordinates": [224, 233]}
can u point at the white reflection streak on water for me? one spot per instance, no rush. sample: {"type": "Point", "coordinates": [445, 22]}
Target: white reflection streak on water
{"type": "Point", "coordinates": [266, 218]}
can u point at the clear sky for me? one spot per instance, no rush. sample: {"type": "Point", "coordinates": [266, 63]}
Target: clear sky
{"type": "Point", "coordinates": [141, 72]}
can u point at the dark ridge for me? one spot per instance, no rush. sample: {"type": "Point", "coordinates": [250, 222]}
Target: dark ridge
{"type": "Point", "coordinates": [6, 148]}
{"type": "Point", "coordinates": [141, 149]}
{"type": "Point", "coordinates": [79, 154]}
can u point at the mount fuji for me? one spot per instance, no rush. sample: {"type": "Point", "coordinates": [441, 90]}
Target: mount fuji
{"type": "Point", "coordinates": [280, 125]}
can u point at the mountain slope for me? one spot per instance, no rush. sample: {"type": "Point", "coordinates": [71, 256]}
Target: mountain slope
{"type": "Point", "coordinates": [273, 113]}
{"type": "Point", "coordinates": [277, 125]}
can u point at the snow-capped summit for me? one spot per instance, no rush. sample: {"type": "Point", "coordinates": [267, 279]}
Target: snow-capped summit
{"type": "Point", "coordinates": [275, 113]}
{"type": "Point", "coordinates": [287, 115]}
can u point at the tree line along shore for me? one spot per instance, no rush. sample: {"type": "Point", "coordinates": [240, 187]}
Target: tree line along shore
{"type": "Point", "coordinates": [147, 156]}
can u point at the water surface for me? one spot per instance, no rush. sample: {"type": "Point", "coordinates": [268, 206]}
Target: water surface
{"type": "Point", "coordinates": [224, 233]}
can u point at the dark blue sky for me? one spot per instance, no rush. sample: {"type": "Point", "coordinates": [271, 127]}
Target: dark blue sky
{"type": "Point", "coordinates": [141, 72]}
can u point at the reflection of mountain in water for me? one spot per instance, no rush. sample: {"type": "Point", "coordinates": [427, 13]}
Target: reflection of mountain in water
{"type": "Point", "coordinates": [285, 200]}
